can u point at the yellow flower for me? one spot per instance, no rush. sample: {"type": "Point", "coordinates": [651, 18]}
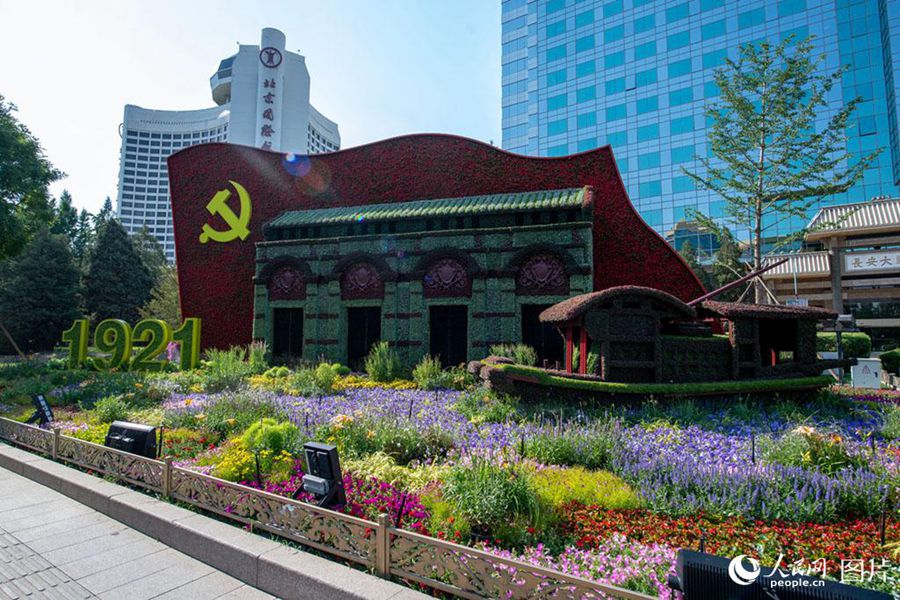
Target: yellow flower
{"type": "Point", "coordinates": [230, 421]}
{"type": "Point", "coordinates": [370, 434]}
{"type": "Point", "coordinates": [200, 417]}
{"type": "Point", "coordinates": [139, 385]}
{"type": "Point", "coordinates": [188, 401]}
{"type": "Point", "coordinates": [805, 430]}
{"type": "Point", "coordinates": [339, 421]}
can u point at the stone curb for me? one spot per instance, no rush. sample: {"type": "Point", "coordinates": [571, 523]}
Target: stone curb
{"type": "Point", "coordinates": [262, 563]}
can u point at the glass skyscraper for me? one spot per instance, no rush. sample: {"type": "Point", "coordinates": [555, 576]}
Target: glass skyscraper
{"type": "Point", "coordinates": [637, 74]}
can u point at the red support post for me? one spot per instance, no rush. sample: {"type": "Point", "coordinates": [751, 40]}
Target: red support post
{"type": "Point", "coordinates": [569, 350]}
{"type": "Point", "coordinates": [582, 351]}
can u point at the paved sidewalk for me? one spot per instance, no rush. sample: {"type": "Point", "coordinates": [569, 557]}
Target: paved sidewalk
{"type": "Point", "coordinates": [54, 547]}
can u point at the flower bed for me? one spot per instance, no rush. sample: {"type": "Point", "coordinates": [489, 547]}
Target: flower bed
{"type": "Point", "coordinates": [608, 493]}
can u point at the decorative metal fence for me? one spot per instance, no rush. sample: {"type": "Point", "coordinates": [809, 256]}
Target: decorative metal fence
{"type": "Point", "coordinates": [388, 551]}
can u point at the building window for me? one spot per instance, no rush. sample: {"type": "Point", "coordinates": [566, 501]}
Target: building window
{"type": "Point", "coordinates": [585, 68]}
{"type": "Point", "coordinates": [648, 132]}
{"type": "Point", "coordinates": [682, 125]}
{"type": "Point", "coordinates": [558, 28]}
{"type": "Point", "coordinates": [614, 34]}
{"type": "Point", "coordinates": [678, 40]}
{"type": "Point", "coordinates": [557, 102]}
{"type": "Point", "coordinates": [682, 183]}
{"type": "Point", "coordinates": [645, 105]}
{"type": "Point", "coordinates": [715, 58]}
{"type": "Point", "coordinates": [556, 53]}
{"type": "Point", "coordinates": [711, 4]}
{"type": "Point", "coordinates": [752, 18]}
{"type": "Point", "coordinates": [618, 138]}
{"type": "Point", "coordinates": [713, 30]}
{"type": "Point", "coordinates": [612, 8]}
{"type": "Point", "coordinates": [587, 144]}
{"type": "Point", "coordinates": [644, 24]}
{"type": "Point", "coordinates": [557, 127]}
{"type": "Point", "coordinates": [790, 7]}
{"type": "Point", "coordinates": [679, 68]}
{"type": "Point", "coordinates": [682, 154]}
{"type": "Point", "coordinates": [646, 50]}
{"type": "Point", "coordinates": [556, 77]}
{"type": "Point", "coordinates": [682, 96]}
{"type": "Point", "coordinates": [585, 18]}
{"type": "Point", "coordinates": [586, 120]}
{"type": "Point", "coordinates": [649, 189]}
{"type": "Point", "coordinates": [560, 150]}
{"type": "Point", "coordinates": [615, 86]}
{"type": "Point", "coordinates": [585, 94]}
{"type": "Point", "coordinates": [647, 77]}
{"type": "Point", "coordinates": [678, 12]}
{"type": "Point", "coordinates": [584, 43]}
{"type": "Point", "coordinates": [649, 160]}
{"type": "Point", "coordinates": [614, 113]}
{"type": "Point", "coordinates": [616, 59]}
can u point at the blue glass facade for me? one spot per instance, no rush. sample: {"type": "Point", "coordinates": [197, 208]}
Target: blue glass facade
{"type": "Point", "coordinates": [637, 74]}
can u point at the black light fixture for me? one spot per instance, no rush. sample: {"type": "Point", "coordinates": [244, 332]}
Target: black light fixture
{"type": "Point", "coordinates": [323, 477]}
{"type": "Point", "coordinates": [132, 437]}
{"type": "Point", "coordinates": [42, 411]}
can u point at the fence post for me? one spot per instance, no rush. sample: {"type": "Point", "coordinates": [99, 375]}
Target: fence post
{"type": "Point", "coordinates": [55, 451]}
{"type": "Point", "coordinates": [383, 547]}
{"type": "Point", "coordinates": [167, 477]}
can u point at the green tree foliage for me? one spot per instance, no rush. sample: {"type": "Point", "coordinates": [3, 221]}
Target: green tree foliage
{"type": "Point", "coordinates": [689, 254]}
{"type": "Point", "coordinates": [164, 300]}
{"type": "Point", "coordinates": [117, 283]}
{"type": "Point", "coordinates": [728, 266]}
{"type": "Point", "coordinates": [106, 213]}
{"type": "Point", "coordinates": [150, 251]}
{"type": "Point", "coordinates": [38, 297]}
{"type": "Point", "coordinates": [25, 174]}
{"type": "Point", "coordinates": [772, 163]}
{"type": "Point", "coordinates": [65, 219]}
{"type": "Point", "coordinates": [82, 239]}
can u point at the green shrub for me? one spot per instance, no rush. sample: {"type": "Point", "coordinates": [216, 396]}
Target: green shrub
{"type": "Point", "coordinates": [228, 414]}
{"type": "Point", "coordinates": [382, 364]}
{"type": "Point", "coordinates": [855, 343]}
{"type": "Point", "coordinates": [403, 443]}
{"type": "Point", "coordinates": [492, 497]}
{"type": "Point", "coordinates": [811, 449]}
{"type": "Point", "coordinates": [256, 357]}
{"type": "Point", "coordinates": [111, 408]}
{"type": "Point", "coordinates": [269, 434]}
{"type": "Point", "coordinates": [411, 478]}
{"type": "Point", "coordinates": [557, 487]}
{"type": "Point", "coordinates": [429, 375]}
{"type": "Point", "coordinates": [225, 369]}
{"type": "Point", "coordinates": [276, 372]}
{"type": "Point", "coordinates": [589, 447]}
{"type": "Point", "coordinates": [890, 427]}
{"type": "Point", "coordinates": [890, 361]}
{"type": "Point", "coordinates": [482, 405]}
{"type": "Point", "coordinates": [521, 354]}
{"type": "Point", "coordinates": [318, 381]}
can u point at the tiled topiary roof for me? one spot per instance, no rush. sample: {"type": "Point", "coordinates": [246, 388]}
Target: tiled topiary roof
{"type": "Point", "coordinates": [739, 310]}
{"type": "Point", "coordinates": [443, 207]}
{"type": "Point", "coordinates": [576, 306]}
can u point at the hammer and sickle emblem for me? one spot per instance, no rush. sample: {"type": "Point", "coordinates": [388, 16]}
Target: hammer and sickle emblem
{"type": "Point", "coordinates": [237, 223]}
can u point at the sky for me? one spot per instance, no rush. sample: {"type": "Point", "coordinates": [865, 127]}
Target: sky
{"type": "Point", "coordinates": [379, 68]}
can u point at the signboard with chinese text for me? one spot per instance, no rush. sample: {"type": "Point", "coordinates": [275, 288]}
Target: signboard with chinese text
{"type": "Point", "coordinates": [862, 262]}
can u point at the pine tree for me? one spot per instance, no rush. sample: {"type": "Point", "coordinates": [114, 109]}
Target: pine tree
{"type": "Point", "coordinates": [106, 213]}
{"type": "Point", "coordinates": [117, 283]}
{"type": "Point", "coordinates": [82, 239]}
{"type": "Point", "coordinates": [65, 221]}
{"type": "Point", "coordinates": [38, 298]}
{"type": "Point", "coordinates": [164, 301]}
{"type": "Point", "coordinates": [728, 265]}
{"type": "Point", "coordinates": [150, 251]}
{"type": "Point", "coordinates": [773, 161]}
{"type": "Point", "coordinates": [689, 254]}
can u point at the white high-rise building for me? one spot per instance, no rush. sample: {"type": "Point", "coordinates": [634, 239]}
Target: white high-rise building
{"type": "Point", "coordinates": [262, 97]}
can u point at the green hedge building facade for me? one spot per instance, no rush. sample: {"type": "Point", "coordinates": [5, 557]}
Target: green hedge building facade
{"type": "Point", "coordinates": [446, 277]}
